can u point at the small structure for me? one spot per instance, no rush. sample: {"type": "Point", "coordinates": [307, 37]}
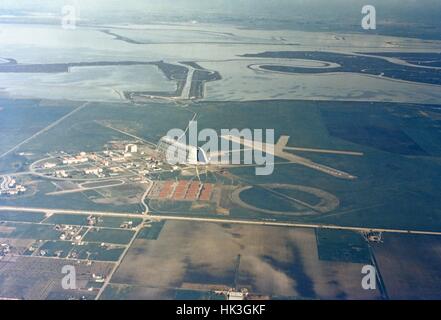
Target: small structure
{"type": "Point", "coordinates": [131, 148]}
{"type": "Point", "coordinates": [95, 171]}
{"type": "Point", "coordinates": [81, 158]}
{"type": "Point", "coordinates": [374, 236]}
{"type": "Point", "coordinates": [61, 174]}
{"type": "Point", "coordinates": [233, 295]}
{"type": "Point", "coordinates": [49, 165]}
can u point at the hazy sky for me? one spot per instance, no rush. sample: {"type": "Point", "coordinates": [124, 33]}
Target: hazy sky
{"type": "Point", "coordinates": [284, 7]}
{"type": "Point", "coordinates": [402, 10]}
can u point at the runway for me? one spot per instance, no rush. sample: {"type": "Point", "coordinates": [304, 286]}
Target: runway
{"type": "Point", "coordinates": [218, 220]}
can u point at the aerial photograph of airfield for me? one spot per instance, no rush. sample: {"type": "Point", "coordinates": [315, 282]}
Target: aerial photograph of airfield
{"type": "Point", "coordinates": [85, 180]}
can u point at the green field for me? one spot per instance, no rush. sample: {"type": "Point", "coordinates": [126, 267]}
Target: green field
{"type": "Point", "coordinates": [94, 251]}
{"type": "Point", "coordinates": [30, 231]}
{"type": "Point", "coordinates": [152, 232]}
{"type": "Point", "coordinates": [53, 247]}
{"type": "Point", "coordinates": [74, 135]}
{"type": "Point", "coordinates": [21, 216]}
{"type": "Point", "coordinates": [109, 236]}
{"type": "Point", "coordinates": [343, 246]}
{"type": "Point", "coordinates": [20, 119]}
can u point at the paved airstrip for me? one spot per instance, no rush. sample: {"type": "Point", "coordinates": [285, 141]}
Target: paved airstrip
{"type": "Point", "coordinates": [51, 211]}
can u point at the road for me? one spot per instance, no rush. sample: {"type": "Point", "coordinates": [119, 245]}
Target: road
{"type": "Point", "coordinates": [349, 153]}
{"type": "Point", "coordinates": [118, 263]}
{"type": "Point", "coordinates": [82, 189]}
{"type": "Point", "coordinates": [187, 88]}
{"type": "Point", "coordinates": [15, 174]}
{"type": "Point", "coordinates": [127, 134]}
{"type": "Point", "coordinates": [219, 220]}
{"type": "Point", "coordinates": [144, 196]}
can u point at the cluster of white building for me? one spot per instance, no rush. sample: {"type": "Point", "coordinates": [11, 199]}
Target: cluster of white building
{"type": "Point", "coordinates": [10, 187]}
{"type": "Point", "coordinates": [69, 232]}
{"type": "Point", "coordinates": [61, 174]}
{"type": "Point", "coordinates": [81, 158]}
{"type": "Point", "coordinates": [95, 171]}
{"type": "Point", "coordinates": [111, 164]}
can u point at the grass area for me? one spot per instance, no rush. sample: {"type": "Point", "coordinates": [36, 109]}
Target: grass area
{"type": "Point", "coordinates": [94, 251]}
{"type": "Point", "coordinates": [21, 216]}
{"type": "Point", "coordinates": [267, 200]}
{"type": "Point", "coordinates": [109, 236]}
{"type": "Point", "coordinates": [152, 232]}
{"type": "Point", "coordinates": [29, 231]}
{"type": "Point", "coordinates": [57, 248]}
{"type": "Point", "coordinates": [116, 222]}
{"type": "Point", "coordinates": [20, 119]}
{"type": "Point", "coordinates": [91, 251]}
{"type": "Point", "coordinates": [74, 135]}
{"type": "Point", "coordinates": [71, 219]}
{"type": "Point", "coordinates": [342, 246]}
